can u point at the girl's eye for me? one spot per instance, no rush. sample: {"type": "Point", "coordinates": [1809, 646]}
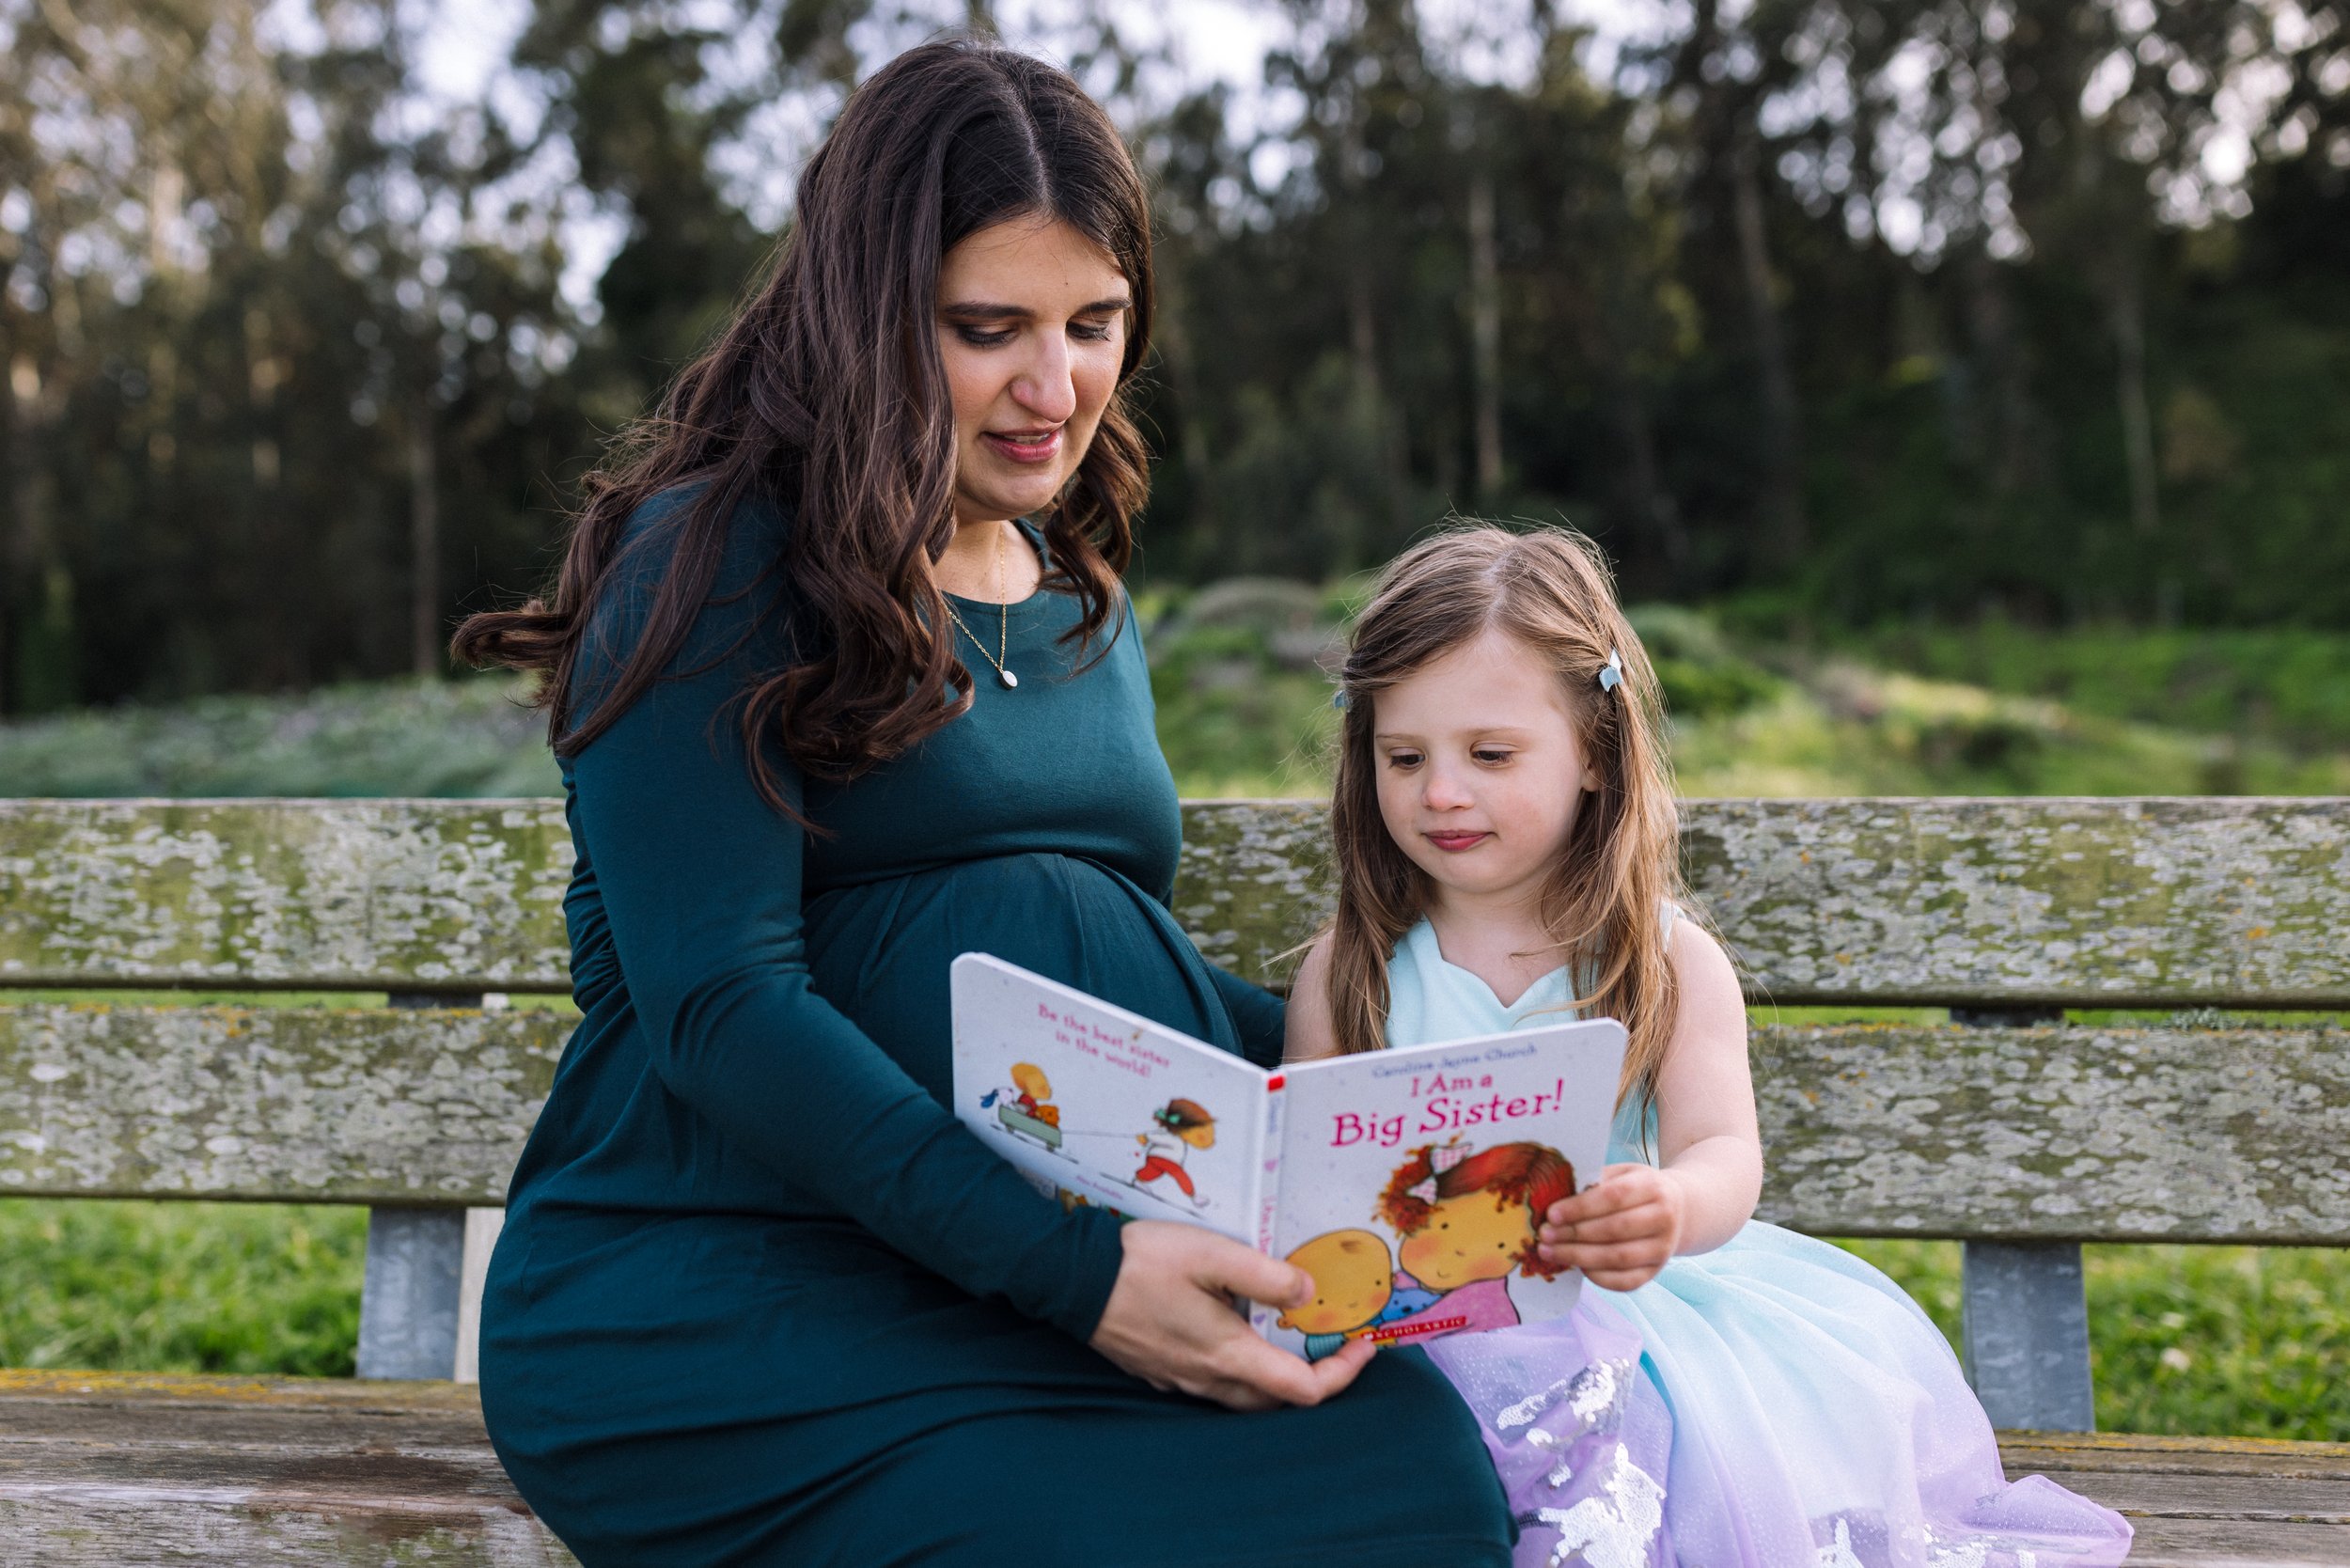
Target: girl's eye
{"type": "Point", "coordinates": [1491, 756]}
{"type": "Point", "coordinates": [1404, 759]}
{"type": "Point", "coordinates": [978, 339]}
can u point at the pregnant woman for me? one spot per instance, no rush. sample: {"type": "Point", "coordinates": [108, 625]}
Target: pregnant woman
{"type": "Point", "coordinates": [844, 684]}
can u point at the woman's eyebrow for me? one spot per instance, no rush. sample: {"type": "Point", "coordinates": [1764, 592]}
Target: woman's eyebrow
{"type": "Point", "coordinates": [982, 310]}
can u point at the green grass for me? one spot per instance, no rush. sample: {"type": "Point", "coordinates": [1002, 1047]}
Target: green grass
{"type": "Point", "coordinates": [2189, 1341]}
{"type": "Point", "coordinates": [181, 1287]}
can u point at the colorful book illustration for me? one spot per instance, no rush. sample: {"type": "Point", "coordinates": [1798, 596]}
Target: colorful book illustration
{"type": "Point", "coordinates": [1407, 1183]}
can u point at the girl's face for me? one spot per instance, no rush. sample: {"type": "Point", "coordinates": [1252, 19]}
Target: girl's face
{"type": "Point", "coordinates": [1480, 769]}
{"type": "Point", "coordinates": [1469, 1238]}
{"type": "Point", "coordinates": [1032, 328]}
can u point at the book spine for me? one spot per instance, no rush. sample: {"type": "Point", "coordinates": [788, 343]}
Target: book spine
{"type": "Point", "coordinates": [1261, 1317]}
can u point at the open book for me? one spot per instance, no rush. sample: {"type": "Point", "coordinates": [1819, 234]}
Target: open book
{"type": "Point", "coordinates": [1408, 1183]}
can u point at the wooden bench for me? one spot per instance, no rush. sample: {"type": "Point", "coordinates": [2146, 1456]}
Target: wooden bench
{"type": "Point", "coordinates": [2022, 1137]}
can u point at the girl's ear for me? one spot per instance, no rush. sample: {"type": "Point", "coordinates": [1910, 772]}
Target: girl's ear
{"type": "Point", "coordinates": [1591, 781]}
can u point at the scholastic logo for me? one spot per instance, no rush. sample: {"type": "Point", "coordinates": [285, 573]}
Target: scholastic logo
{"type": "Point", "coordinates": [1416, 1330]}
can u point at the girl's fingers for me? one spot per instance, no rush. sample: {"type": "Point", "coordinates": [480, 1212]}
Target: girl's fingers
{"type": "Point", "coordinates": [1623, 1225]}
{"type": "Point", "coordinates": [1626, 1186]}
{"type": "Point", "coordinates": [1590, 1260]}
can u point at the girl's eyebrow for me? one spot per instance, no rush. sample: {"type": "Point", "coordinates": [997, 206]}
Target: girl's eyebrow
{"type": "Point", "coordinates": [982, 310]}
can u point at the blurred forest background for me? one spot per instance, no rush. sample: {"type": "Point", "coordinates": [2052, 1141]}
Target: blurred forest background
{"type": "Point", "coordinates": [1962, 386]}
{"type": "Point", "coordinates": [1836, 314]}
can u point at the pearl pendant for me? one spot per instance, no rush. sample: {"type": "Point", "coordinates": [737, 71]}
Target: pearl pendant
{"type": "Point", "coordinates": [1008, 678]}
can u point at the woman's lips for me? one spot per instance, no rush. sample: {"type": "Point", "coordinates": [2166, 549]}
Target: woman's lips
{"type": "Point", "coordinates": [1454, 842]}
{"type": "Point", "coordinates": [1024, 446]}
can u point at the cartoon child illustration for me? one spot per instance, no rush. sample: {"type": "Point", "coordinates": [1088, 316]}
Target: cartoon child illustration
{"type": "Point", "coordinates": [1026, 1105]}
{"type": "Point", "coordinates": [1184, 1126]}
{"type": "Point", "coordinates": [1354, 1291]}
{"type": "Point", "coordinates": [1467, 1221]}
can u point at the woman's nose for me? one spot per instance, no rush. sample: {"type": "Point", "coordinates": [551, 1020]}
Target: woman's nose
{"type": "Point", "coordinates": [1047, 387]}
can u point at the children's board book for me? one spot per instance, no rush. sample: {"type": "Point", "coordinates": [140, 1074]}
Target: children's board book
{"type": "Point", "coordinates": [1408, 1183]}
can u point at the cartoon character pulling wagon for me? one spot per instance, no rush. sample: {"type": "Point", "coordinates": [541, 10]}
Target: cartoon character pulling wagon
{"type": "Point", "coordinates": [1025, 1107]}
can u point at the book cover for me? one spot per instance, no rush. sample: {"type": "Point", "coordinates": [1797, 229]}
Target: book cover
{"type": "Point", "coordinates": [1408, 1183]}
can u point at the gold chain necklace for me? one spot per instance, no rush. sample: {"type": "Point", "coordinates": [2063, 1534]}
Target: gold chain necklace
{"type": "Point", "coordinates": [1003, 623]}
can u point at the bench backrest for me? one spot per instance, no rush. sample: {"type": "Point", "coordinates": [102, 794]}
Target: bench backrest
{"type": "Point", "coordinates": [2176, 1133]}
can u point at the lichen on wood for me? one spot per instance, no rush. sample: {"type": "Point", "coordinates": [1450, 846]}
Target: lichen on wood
{"type": "Point", "coordinates": [304, 1104]}
{"type": "Point", "coordinates": [2159, 1134]}
{"type": "Point", "coordinates": [1983, 903]}
{"type": "Point", "coordinates": [358, 894]}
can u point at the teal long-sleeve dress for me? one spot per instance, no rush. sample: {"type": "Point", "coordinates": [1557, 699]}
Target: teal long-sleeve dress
{"type": "Point", "coordinates": [760, 1298]}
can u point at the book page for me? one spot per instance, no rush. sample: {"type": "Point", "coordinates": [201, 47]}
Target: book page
{"type": "Point", "coordinates": [1412, 1181]}
{"type": "Point", "coordinates": [1100, 1105]}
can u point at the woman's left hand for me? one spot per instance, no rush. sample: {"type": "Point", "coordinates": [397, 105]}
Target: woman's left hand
{"type": "Point", "coordinates": [1619, 1232]}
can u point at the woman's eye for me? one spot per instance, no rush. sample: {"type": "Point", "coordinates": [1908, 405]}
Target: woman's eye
{"type": "Point", "coordinates": [980, 339]}
{"type": "Point", "coordinates": [1096, 333]}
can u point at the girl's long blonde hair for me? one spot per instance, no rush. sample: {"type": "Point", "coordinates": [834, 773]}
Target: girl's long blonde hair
{"type": "Point", "coordinates": [1550, 590]}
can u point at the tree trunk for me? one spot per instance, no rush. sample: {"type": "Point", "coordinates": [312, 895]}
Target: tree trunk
{"type": "Point", "coordinates": [426, 655]}
{"type": "Point", "coordinates": [1485, 332]}
{"type": "Point", "coordinates": [2127, 310]}
{"type": "Point", "coordinates": [1786, 531]}
{"type": "Point", "coordinates": [1651, 505]}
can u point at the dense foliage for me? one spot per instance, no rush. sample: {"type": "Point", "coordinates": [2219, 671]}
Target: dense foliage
{"type": "Point", "coordinates": [1855, 310]}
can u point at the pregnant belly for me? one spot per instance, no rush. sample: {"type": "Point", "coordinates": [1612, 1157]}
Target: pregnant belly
{"type": "Point", "coordinates": [880, 952]}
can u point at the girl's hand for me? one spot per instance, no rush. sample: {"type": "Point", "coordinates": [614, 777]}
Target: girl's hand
{"type": "Point", "coordinates": [1619, 1232]}
{"type": "Point", "coordinates": [1170, 1321]}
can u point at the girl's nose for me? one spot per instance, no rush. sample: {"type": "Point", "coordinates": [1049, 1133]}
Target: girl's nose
{"type": "Point", "coordinates": [1046, 388]}
{"type": "Point", "coordinates": [1445, 790]}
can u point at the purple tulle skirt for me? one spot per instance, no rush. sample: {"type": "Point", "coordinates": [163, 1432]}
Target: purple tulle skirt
{"type": "Point", "coordinates": [1773, 1403]}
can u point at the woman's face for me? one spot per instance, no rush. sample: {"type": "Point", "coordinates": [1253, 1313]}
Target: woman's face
{"type": "Point", "coordinates": [1032, 327]}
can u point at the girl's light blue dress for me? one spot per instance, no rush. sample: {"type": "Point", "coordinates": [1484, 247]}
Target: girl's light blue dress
{"type": "Point", "coordinates": [1774, 1403]}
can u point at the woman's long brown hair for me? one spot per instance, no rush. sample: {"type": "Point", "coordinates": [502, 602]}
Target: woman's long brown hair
{"type": "Point", "coordinates": [826, 395]}
{"type": "Point", "coordinates": [1549, 592]}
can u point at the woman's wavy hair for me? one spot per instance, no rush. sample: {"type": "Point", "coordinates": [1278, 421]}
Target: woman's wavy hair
{"type": "Point", "coordinates": [826, 394]}
{"type": "Point", "coordinates": [1549, 591]}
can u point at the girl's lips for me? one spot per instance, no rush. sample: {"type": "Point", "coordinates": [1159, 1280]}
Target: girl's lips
{"type": "Point", "coordinates": [1024, 446]}
{"type": "Point", "coordinates": [1455, 842]}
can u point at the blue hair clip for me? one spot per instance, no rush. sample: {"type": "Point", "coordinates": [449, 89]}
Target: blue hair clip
{"type": "Point", "coordinates": [1338, 699]}
{"type": "Point", "coordinates": [1611, 673]}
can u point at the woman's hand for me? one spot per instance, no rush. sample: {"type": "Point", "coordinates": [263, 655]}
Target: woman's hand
{"type": "Point", "coordinates": [1621, 1231]}
{"type": "Point", "coordinates": [1169, 1321]}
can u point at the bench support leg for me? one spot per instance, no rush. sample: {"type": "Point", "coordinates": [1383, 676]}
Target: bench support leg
{"type": "Point", "coordinates": [408, 1306]}
{"type": "Point", "coordinates": [481, 1235]}
{"type": "Point", "coordinates": [2026, 1327]}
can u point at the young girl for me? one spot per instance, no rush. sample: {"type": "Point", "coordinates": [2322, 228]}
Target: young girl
{"type": "Point", "coordinates": [1731, 1392]}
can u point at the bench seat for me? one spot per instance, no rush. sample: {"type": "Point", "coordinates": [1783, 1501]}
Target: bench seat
{"type": "Point", "coordinates": [116, 1470]}
{"type": "Point", "coordinates": [126, 1469]}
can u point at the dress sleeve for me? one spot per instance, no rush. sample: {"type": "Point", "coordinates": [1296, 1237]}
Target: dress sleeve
{"type": "Point", "coordinates": [700, 881]}
{"type": "Point", "coordinates": [1257, 1013]}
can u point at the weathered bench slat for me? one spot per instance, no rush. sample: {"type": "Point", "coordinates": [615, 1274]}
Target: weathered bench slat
{"type": "Point", "coordinates": [2057, 1134]}
{"type": "Point", "coordinates": [2147, 1454]}
{"type": "Point", "coordinates": [364, 895]}
{"type": "Point", "coordinates": [320, 1474]}
{"type": "Point", "coordinates": [1978, 902]}
{"type": "Point", "coordinates": [300, 1104]}
{"type": "Point", "coordinates": [107, 1471]}
{"type": "Point", "coordinates": [2150, 903]}
{"type": "Point", "coordinates": [2022, 1134]}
